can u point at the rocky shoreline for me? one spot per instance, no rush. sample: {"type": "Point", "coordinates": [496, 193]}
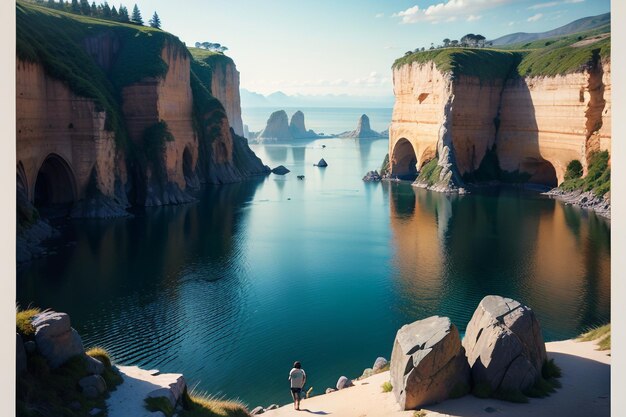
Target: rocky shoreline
{"type": "Point", "coordinates": [583, 199]}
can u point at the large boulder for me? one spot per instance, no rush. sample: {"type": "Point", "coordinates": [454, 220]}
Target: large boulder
{"type": "Point", "coordinates": [56, 340]}
{"type": "Point", "coordinates": [379, 364]}
{"type": "Point", "coordinates": [322, 163]}
{"type": "Point", "coordinates": [504, 345]}
{"type": "Point", "coordinates": [280, 170]}
{"type": "Point", "coordinates": [428, 363]}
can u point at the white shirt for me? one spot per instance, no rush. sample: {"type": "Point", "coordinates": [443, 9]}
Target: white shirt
{"type": "Point", "coordinates": [296, 376]}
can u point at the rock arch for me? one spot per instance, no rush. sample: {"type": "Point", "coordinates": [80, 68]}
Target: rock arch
{"type": "Point", "coordinates": [55, 186]}
{"type": "Point", "coordinates": [404, 160]}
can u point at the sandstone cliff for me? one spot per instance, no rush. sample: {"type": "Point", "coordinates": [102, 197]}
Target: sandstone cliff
{"type": "Point", "coordinates": [298, 128]}
{"type": "Point", "coordinates": [123, 119]}
{"type": "Point", "coordinates": [526, 127]}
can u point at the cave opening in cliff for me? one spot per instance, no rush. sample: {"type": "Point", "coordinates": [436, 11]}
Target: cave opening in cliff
{"type": "Point", "coordinates": [404, 161]}
{"type": "Point", "coordinates": [541, 171]}
{"type": "Point", "coordinates": [55, 187]}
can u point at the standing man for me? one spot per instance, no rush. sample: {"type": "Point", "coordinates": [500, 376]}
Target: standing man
{"type": "Point", "coordinates": [298, 379]}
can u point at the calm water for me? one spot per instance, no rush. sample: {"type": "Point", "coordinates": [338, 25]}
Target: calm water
{"type": "Point", "coordinates": [231, 290]}
{"type": "Point", "coordinates": [321, 120]}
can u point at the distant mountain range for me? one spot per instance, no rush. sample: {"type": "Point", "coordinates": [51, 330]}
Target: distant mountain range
{"type": "Point", "coordinates": [282, 100]}
{"type": "Point", "coordinates": [579, 25]}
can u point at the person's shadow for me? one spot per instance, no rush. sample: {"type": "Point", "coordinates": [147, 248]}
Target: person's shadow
{"type": "Point", "coordinates": [322, 413]}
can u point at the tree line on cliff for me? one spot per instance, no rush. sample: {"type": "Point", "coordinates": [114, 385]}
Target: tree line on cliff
{"type": "Point", "coordinates": [468, 41]}
{"type": "Point", "coordinates": [102, 11]}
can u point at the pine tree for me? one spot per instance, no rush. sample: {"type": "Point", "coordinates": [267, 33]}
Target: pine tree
{"type": "Point", "coordinates": [123, 12]}
{"type": "Point", "coordinates": [155, 22]}
{"type": "Point", "coordinates": [136, 16]}
{"type": "Point", "coordinates": [51, 4]}
{"type": "Point", "coordinates": [114, 14]}
{"type": "Point", "coordinates": [94, 9]}
{"type": "Point", "coordinates": [85, 8]}
{"type": "Point", "coordinates": [106, 11]}
{"type": "Point", "coordinates": [75, 7]}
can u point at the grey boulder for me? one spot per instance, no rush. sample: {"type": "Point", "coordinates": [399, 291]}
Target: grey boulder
{"type": "Point", "coordinates": [379, 364]}
{"type": "Point", "coordinates": [427, 363]}
{"type": "Point", "coordinates": [504, 344]}
{"type": "Point", "coordinates": [272, 407]}
{"type": "Point", "coordinates": [56, 340]}
{"type": "Point", "coordinates": [329, 390]}
{"type": "Point", "coordinates": [344, 382]}
{"type": "Point", "coordinates": [322, 163]}
{"type": "Point", "coordinates": [92, 386]}
{"type": "Point", "coordinates": [93, 365]}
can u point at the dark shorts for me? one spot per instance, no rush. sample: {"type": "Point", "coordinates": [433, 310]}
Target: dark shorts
{"type": "Point", "coordinates": [296, 390]}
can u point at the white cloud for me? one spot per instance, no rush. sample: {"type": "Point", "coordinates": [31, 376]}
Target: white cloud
{"type": "Point", "coordinates": [373, 79]}
{"type": "Point", "coordinates": [553, 3]}
{"type": "Point", "coordinates": [511, 23]}
{"type": "Point", "coordinates": [472, 18]}
{"type": "Point", "coordinates": [447, 10]}
{"type": "Point", "coordinates": [535, 17]}
{"type": "Point", "coordinates": [379, 15]}
{"type": "Point", "coordinates": [391, 47]}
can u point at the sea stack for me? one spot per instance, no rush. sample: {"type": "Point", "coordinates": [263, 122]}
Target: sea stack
{"type": "Point", "coordinates": [277, 128]}
{"type": "Point", "coordinates": [363, 130]}
{"type": "Point", "coordinates": [298, 129]}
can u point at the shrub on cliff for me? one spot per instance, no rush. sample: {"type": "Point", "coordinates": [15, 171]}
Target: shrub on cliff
{"type": "Point", "coordinates": [598, 178]}
{"type": "Point", "coordinates": [574, 170]}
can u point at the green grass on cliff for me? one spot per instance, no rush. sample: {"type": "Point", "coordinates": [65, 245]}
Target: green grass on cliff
{"type": "Point", "coordinates": [23, 322]}
{"type": "Point", "coordinates": [483, 63]}
{"type": "Point", "coordinates": [544, 57]}
{"type": "Point", "coordinates": [203, 405]}
{"type": "Point", "coordinates": [56, 40]}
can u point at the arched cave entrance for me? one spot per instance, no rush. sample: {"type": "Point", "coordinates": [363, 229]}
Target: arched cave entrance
{"type": "Point", "coordinates": [540, 170]}
{"type": "Point", "coordinates": [55, 187]}
{"type": "Point", "coordinates": [191, 179]}
{"type": "Point", "coordinates": [404, 161]}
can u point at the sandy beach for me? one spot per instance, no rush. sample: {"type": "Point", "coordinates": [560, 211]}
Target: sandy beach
{"type": "Point", "coordinates": [585, 392]}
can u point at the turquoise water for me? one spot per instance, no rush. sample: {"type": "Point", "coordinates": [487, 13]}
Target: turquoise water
{"type": "Point", "coordinates": [232, 289]}
{"type": "Point", "coordinates": [321, 120]}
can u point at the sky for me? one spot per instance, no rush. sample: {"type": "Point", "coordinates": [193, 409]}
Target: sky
{"type": "Point", "coordinates": [346, 46]}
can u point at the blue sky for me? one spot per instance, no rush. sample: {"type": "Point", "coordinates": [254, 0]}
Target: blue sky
{"type": "Point", "coordinates": [347, 46]}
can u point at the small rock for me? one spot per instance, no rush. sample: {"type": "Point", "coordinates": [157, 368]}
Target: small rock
{"type": "Point", "coordinates": [372, 176]}
{"type": "Point", "coordinates": [329, 390]}
{"type": "Point", "coordinates": [280, 170]}
{"type": "Point", "coordinates": [30, 346]}
{"type": "Point", "coordinates": [92, 384]}
{"type": "Point", "coordinates": [94, 366]}
{"type": "Point", "coordinates": [257, 410]}
{"type": "Point", "coordinates": [163, 392]}
{"type": "Point", "coordinates": [322, 163]}
{"type": "Point", "coordinates": [300, 177]}
{"type": "Point", "coordinates": [379, 364]}
{"type": "Point", "coordinates": [344, 382]}
{"type": "Point", "coordinates": [272, 407]}
{"type": "Point", "coordinates": [367, 373]}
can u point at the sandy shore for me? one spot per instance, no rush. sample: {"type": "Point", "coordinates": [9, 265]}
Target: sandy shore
{"type": "Point", "coordinates": [585, 392]}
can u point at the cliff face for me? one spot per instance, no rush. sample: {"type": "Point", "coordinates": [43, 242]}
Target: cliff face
{"type": "Point", "coordinates": [225, 87]}
{"type": "Point", "coordinates": [62, 136]}
{"type": "Point", "coordinates": [120, 120]}
{"type": "Point", "coordinates": [536, 125]}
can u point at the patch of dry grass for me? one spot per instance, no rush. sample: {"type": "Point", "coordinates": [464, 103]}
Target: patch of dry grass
{"type": "Point", "coordinates": [602, 334]}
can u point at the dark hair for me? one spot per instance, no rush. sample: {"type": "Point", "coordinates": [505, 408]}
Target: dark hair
{"type": "Point", "coordinates": [297, 365]}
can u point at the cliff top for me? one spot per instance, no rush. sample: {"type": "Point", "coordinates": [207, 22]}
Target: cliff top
{"type": "Point", "coordinates": [209, 57]}
{"type": "Point", "coordinates": [546, 57]}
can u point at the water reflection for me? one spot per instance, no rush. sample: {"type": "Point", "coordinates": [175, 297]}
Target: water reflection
{"type": "Point", "coordinates": [147, 276]}
{"type": "Point", "coordinates": [450, 251]}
